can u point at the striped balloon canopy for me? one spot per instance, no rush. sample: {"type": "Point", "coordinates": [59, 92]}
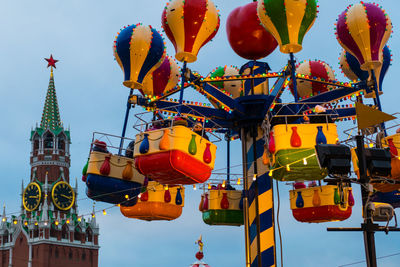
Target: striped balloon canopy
{"type": "Point", "coordinates": [139, 50]}
{"type": "Point", "coordinates": [352, 69]}
{"type": "Point", "coordinates": [190, 24]}
{"type": "Point", "coordinates": [313, 69]}
{"type": "Point", "coordinates": [233, 88]}
{"type": "Point", "coordinates": [363, 30]}
{"type": "Point", "coordinates": [288, 21]}
{"type": "Point", "coordinates": [163, 79]}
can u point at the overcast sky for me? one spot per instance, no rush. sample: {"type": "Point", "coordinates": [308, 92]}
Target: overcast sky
{"type": "Point", "coordinates": [92, 98]}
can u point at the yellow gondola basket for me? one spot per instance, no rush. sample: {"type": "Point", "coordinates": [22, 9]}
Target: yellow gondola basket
{"type": "Point", "coordinates": [325, 203]}
{"type": "Point", "coordinates": [294, 156]}
{"type": "Point", "coordinates": [174, 155]}
{"type": "Point", "coordinates": [155, 205]}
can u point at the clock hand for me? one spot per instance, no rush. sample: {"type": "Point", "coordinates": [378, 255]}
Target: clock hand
{"type": "Point", "coordinates": [65, 196]}
{"type": "Point", "coordinates": [33, 196]}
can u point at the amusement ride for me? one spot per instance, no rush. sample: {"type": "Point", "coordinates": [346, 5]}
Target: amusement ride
{"type": "Point", "coordinates": [295, 142]}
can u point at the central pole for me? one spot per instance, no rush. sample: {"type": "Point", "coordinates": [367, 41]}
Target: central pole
{"type": "Point", "coordinates": [128, 108]}
{"type": "Point", "coordinates": [243, 135]}
{"type": "Point", "coordinates": [228, 157]}
{"type": "Point", "coordinates": [368, 225]}
{"type": "Point", "coordinates": [294, 81]}
{"type": "Point", "coordinates": [182, 86]}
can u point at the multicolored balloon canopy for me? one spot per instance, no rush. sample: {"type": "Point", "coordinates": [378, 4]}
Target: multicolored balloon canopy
{"type": "Point", "coordinates": [316, 69]}
{"type": "Point", "coordinates": [139, 50]}
{"type": "Point", "coordinates": [363, 30]}
{"type": "Point", "coordinates": [247, 37]}
{"type": "Point", "coordinates": [288, 21]}
{"type": "Point", "coordinates": [163, 79]}
{"type": "Point", "coordinates": [189, 25]}
{"type": "Point", "coordinates": [352, 69]}
{"type": "Point", "coordinates": [233, 88]}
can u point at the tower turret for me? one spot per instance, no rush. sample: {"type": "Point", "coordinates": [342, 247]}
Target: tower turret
{"type": "Point", "coordinates": [50, 141]}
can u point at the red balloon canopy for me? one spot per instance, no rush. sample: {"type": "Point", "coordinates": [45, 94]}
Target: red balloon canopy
{"type": "Point", "coordinates": [247, 37]}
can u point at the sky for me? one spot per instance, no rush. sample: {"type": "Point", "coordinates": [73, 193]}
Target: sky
{"type": "Point", "coordinates": [92, 98]}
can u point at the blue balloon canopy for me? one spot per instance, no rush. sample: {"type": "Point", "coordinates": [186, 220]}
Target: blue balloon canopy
{"type": "Point", "coordinates": [139, 50]}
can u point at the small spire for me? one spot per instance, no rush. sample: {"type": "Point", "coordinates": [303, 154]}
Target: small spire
{"type": "Point", "coordinates": [51, 115]}
{"type": "Point", "coordinates": [4, 211]}
{"type": "Point", "coordinates": [93, 220]}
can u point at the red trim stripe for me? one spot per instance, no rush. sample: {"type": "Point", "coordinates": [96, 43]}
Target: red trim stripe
{"type": "Point", "coordinates": [194, 12]}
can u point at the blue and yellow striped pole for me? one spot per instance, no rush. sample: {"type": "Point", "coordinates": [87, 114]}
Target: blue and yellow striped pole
{"type": "Point", "coordinates": [258, 202]}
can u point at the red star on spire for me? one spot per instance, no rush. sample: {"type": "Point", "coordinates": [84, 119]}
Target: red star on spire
{"type": "Point", "coordinates": [51, 61]}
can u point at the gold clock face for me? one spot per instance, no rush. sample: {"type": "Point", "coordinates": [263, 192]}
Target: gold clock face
{"type": "Point", "coordinates": [32, 196]}
{"type": "Point", "coordinates": [63, 195]}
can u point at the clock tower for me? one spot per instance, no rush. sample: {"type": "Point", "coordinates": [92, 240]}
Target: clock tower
{"type": "Point", "coordinates": [49, 231]}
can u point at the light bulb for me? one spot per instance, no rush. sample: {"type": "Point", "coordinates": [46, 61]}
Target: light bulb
{"type": "Point", "coordinates": [209, 186]}
{"type": "Point", "coordinates": [166, 187]}
{"type": "Point", "coordinates": [93, 215]}
{"type": "Point", "coordinates": [288, 168]}
{"type": "Point", "coordinates": [15, 222]}
{"type": "Point", "coordinates": [238, 181]}
{"type": "Point", "coordinates": [67, 221]}
{"type": "Point", "coordinates": [255, 177]}
{"type": "Point", "coordinates": [56, 223]}
{"type": "Point", "coordinates": [224, 184]}
{"type": "Point", "coordinates": [104, 212]}
{"type": "Point", "coordinates": [126, 196]}
{"type": "Point", "coordinates": [194, 187]}
{"type": "Point", "coordinates": [305, 161]}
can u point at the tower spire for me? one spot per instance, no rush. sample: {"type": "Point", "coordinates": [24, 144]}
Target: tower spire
{"type": "Point", "coordinates": [51, 115]}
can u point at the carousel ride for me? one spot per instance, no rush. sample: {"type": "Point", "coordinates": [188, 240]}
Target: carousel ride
{"type": "Point", "coordinates": [176, 140]}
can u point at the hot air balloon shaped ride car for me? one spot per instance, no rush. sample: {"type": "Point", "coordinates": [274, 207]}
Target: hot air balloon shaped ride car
{"type": "Point", "coordinates": [158, 202]}
{"type": "Point", "coordinates": [315, 69]}
{"type": "Point", "coordinates": [247, 37]}
{"type": "Point", "coordinates": [189, 25]}
{"type": "Point", "coordinates": [221, 207]}
{"type": "Point", "coordinates": [319, 204]}
{"type": "Point", "coordinates": [293, 150]}
{"type": "Point", "coordinates": [139, 50]}
{"type": "Point", "coordinates": [161, 80]}
{"type": "Point", "coordinates": [174, 155]}
{"type": "Point", "coordinates": [111, 178]}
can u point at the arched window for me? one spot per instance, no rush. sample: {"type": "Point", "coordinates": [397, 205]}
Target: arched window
{"type": "Point", "coordinates": [53, 230]}
{"type": "Point", "coordinates": [5, 237]}
{"type": "Point", "coordinates": [89, 235]}
{"type": "Point", "coordinates": [64, 232]}
{"type": "Point", "coordinates": [36, 142]}
{"type": "Point", "coordinates": [48, 140]}
{"type": "Point", "coordinates": [77, 234]}
{"type": "Point", "coordinates": [61, 142]}
{"type": "Point", "coordinates": [36, 231]}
